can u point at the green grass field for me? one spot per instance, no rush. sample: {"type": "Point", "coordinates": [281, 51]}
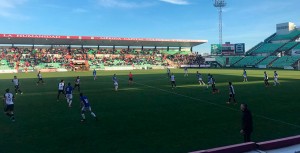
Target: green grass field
{"type": "Point", "coordinates": [148, 116]}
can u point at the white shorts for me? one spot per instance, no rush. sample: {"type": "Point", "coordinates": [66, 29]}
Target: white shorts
{"type": "Point", "coordinates": [86, 108]}
{"type": "Point", "coordinates": [200, 79]}
{"type": "Point", "coordinates": [69, 96]}
{"type": "Point", "coordinates": [245, 76]}
{"type": "Point", "coordinates": [275, 79]}
{"type": "Point", "coordinates": [116, 84]}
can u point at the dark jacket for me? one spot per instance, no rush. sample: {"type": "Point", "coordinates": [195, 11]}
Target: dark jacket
{"type": "Point", "coordinates": [247, 124]}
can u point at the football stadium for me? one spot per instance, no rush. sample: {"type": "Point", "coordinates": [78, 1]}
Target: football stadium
{"type": "Point", "coordinates": [100, 94]}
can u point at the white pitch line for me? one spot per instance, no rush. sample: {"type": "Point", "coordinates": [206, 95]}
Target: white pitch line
{"type": "Point", "coordinates": [218, 105]}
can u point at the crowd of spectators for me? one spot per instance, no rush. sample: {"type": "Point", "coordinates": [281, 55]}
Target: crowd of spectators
{"type": "Point", "coordinates": [26, 57]}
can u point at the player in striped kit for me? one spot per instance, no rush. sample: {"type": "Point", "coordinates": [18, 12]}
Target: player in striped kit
{"type": "Point", "coordinates": [77, 83]}
{"type": "Point", "coordinates": [266, 79]}
{"type": "Point", "coordinates": [231, 94]}
{"type": "Point", "coordinates": [115, 81]}
{"type": "Point", "coordinates": [173, 83]}
{"type": "Point", "coordinates": [276, 82]}
{"type": "Point", "coordinates": [17, 85]}
{"type": "Point", "coordinates": [200, 80]}
{"type": "Point", "coordinates": [61, 89]}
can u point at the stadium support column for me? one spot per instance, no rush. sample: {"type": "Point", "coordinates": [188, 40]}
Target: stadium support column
{"type": "Point", "coordinates": [128, 48]}
{"type": "Point", "coordinates": [155, 47]}
{"type": "Point", "coordinates": [142, 47]}
{"type": "Point", "coordinates": [168, 48]}
{"type": "Point", "coordinates": [98, 47]}
{"type": "Point", "coordinates": [191, 49]}
{"type": "Point", "coordinates": [179, 48]}
{"type": "Point", "coordinates": [114, 47]}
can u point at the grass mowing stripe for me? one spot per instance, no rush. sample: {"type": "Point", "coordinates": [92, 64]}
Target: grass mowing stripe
{"type": "Point", "coordinates": [218, 105]}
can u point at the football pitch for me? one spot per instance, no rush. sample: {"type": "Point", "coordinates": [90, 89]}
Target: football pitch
{"type": "Point", "coordinates": [147, 116]}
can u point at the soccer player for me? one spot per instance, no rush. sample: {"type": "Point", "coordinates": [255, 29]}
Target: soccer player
{"type": "Point", "coordinates": [77, 83]}
{"type": "Point", "coordinates": [173, 83]}
{"type": "Point", "coordinates": [115, 81]}
{"type": "Point", "coordinates": [17, 85]}
{"type": "Point", "coordinates": [40, 78]}
{"type": "Point", "coordinates": [213, 85]}
{"type": "Point", "coordinates": [61, 87]}
{"type": "Point", "coordinates": [69, 94]}
{"type": "Point", "coordinates": [276, 82]}
{"type": "Point", "coordinates": [245, 76]}
{"type": "Point", "coordinates": [95, 74]}
{"type": "Point", "coordinates": [168, 72]}
{"type": "Point", "coordinates": [266, 79]}
{"type": "Point", "coordinates": [8, 100]}
{"type": "Point", "coordinates": [199, 76]}
{"type": "Point", "coordinates": [186, 72]}
{"type": "Point", "coordinates": [130, 78]}
{"type": "Point", "coordinates": [85, 107]}
{"type": "Point", "coordinates": [209, 80]}
{"type": "Point", "coordinates": [231, 94]}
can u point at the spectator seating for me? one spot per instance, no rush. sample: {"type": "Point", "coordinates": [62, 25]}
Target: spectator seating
{"type": "Point", "coordinates": [285, 61]}
{"type": "Point", "coordinates": [249, 61]}
{"type": "Point", "coordinates": [289, 36]}
{"type": "Point", "coordinates": [268, 60]}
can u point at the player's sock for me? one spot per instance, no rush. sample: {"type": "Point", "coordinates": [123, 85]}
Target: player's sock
{"type": "Point", "coordinates": [83, 116]}
{"type": "Point", "coordinates": [93, 114]}
{"type": "Point", "coordinates": [70, 103]}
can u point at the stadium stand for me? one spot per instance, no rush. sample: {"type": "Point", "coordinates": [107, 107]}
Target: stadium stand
{"type": "Point", "coordinates": [268, 48]}
{"type": "Point", "coordinates": [231, 60]}
{"type": "Point", "coordinates": [288, 46]}
{"type": "Point", "coordinates": [249, 61]}
{"type": "Point", "coordinates": [285, 61]}
{"type": "Point", "coordinates": [291, 36]}
{"type": "Point", "coordinates": [268, 60]}
{"type": "Point", "coordinates": [48, 58]}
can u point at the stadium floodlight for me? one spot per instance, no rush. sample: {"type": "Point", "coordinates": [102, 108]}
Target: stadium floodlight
{"type": "Point", "coordinates": [220, 4]}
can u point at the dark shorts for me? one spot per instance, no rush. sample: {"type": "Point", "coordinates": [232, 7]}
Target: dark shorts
{"type": "Point", "coordinates": [17, 87]}
{"type": "Point", "coordinates": [130, 79]}
{"type": "Point", "coordinates": [61, 91]}
{"type": "Point", "coordinates": [77, 85]}
{"type": "Point", "coordinates": [173, 82]}
{"type": "Point", "coordinates": [40, 79]}
{"type": "Point", "coordinates": [9, 108]}
{"type": "Point", "coordinates": [231, 95]}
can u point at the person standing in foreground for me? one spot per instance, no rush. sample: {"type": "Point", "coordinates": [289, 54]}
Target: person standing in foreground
{"type": "Point", "coordinates": [9, 104]}
{"type": "Point", "coordinates": [85, 106]}
{"type": "Point", "coordinates": [95, 74]}
{"type": "Point", "coordinates": [17, 85]}
{"type": "Point", "coordinates": [231, 94]}
{"type": "Point", "coordinates": [247, 123]}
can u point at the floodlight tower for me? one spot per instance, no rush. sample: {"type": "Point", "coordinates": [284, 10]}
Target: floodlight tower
{"type": "Point", "coordinates": [220, 4]}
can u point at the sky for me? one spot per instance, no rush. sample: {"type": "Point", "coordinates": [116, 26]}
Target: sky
{"type": "Point", "coordinates": [243, 21]}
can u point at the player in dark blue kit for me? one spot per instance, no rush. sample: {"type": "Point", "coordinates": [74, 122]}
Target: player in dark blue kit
{"type": "Point", "coordinates": [69, 94]}
{"type": "Point", "coordinates": [95, 74]}
{"type": "Point", "coordinates": [85, 106]}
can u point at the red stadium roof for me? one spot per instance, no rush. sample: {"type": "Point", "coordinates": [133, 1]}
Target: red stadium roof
{"type": "Point", "coordinates": [32, 39]}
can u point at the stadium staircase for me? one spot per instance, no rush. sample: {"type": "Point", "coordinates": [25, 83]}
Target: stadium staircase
{"type": "Point", "coordinates": [254, 48]}
{"type": "Point", "coordinates": [270, 38]}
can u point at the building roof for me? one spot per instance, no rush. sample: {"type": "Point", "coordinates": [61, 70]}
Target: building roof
{"type": "Point", "coordinates": [33, 39]}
